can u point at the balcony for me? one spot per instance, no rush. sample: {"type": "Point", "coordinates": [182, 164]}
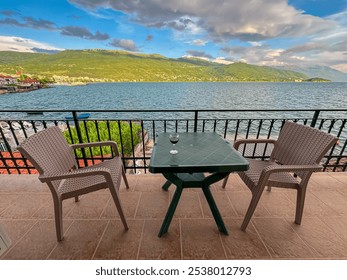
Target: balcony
{"type": "Point", "coordinates": [92, 229]}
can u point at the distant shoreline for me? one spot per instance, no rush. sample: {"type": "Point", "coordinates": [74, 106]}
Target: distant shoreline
{"type": "Point", "coordinates": [18, 89]}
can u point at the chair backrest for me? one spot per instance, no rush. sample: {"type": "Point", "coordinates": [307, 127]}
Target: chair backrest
{"type": "Point", "coordinates": [301, 144]}
{"type": "Point", "coordinates": [48, 151]}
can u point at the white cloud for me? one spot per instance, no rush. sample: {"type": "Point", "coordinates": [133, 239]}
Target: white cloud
{"type": "Point", "coordinates": [340, 17]}
{"type": "Point", "coordinates": [247, 20]}
{"type": "Point", "coordinates": [199, 42]}
{"type": "Point", "coordinates": [256, 44]}
{"type": "Point", "coordinates": [322, 40]}
{"type": "Point", "coordinates": [340, 67]}
{"type": "Point", "coordinates": [222, 60]}
{"type": "Point", "coordinates": [11, 43]}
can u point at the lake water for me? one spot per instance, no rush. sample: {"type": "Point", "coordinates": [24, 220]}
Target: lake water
{"type": "Point", "coordinates": [229, 96]}
{"type": "Point", "coordinates": [182, 96]}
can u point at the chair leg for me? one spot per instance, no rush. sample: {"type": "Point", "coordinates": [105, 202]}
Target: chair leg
{"type": "Point", "coordinates": [251, 208]}
{"type": "Point", "coordinates": [58, 213]}
{"type": "Point", "coordinates": [225, 181]}
{"type": "Point", "coordinates": [76, 198]}
{"type": "Point", "coordinates": [300, 202]}
{"type": "Point", "coordinates": [125, 178]}
{"type": "Point", "coordinates": [119, 207]}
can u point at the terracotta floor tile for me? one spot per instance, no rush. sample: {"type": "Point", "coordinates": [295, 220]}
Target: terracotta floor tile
{"type": "Point", "coordinates": [188, 205]}
{"type": "Point", "coordinates": [313, 205]}
{"type": "Point", "coordinates": [21, 183]}
{"type": "Point", "coordinates": [277, 203]}
{"type": "Point", "coordinates": [243, 244]}
{"type": "Point", "coordinates": [167, 247]}
{"type": "Point", "coordinates": [25, 205]}
{"type": "Point", "coordinates": [37, 243]}
{"type": "Point", "coordinates": [240, 202]}
{"type": "Point", "coordinates": [15, 230]}
{"type": "Point", "coordinates": [149, 183]}
{"type": "Point", "coordinates": [322, 182]}
{"type": "Point", "coordinates": [341, 177]}
{"type": "Point", "coordinates": [153, 205]}
{"type": "Point", "coordinates": [201, 240]}
{"type": "Point", "coordinates": [234, 183]}
{"type": "Point", "coordinates": [129, 203]}
{"type": "Point", "coordinates": [337, 224]}
{"type": "Point", "coordinates": [321, 239]}
{"type": "Point", "coordinates": [27, 215]}
{"type": "Point", "coordinates": [89, 206]}
{"type": "Point", "coordinates": [334, 199]}
{"type": "Point", "coordinates": [132, 181]}
{"type": "Point", "coordinates": [80, 240]}
{"type": "Point", "coordinates": [46, 211]}
{"type": "Point", "coordinates": [117, 243]}
{"type": "Point", "coordinates": [280, 239]}
{"type": "Point", "coordinates": [6, 200]}
{"type": "Point", "coordinates": [223, 203]}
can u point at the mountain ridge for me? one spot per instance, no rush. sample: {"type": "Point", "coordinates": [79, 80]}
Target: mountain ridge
{"type": "Point", "coordinates": [99, 65]}
{"type": "Point", "coordinates": [317, 71]}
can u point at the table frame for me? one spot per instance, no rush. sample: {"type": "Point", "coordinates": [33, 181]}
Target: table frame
{"type": "Point", "coordinates": [196, 178]}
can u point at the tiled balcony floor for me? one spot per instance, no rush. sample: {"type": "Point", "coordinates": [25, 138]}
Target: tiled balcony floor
{"type": "Point", "coordinates": [93, 230]}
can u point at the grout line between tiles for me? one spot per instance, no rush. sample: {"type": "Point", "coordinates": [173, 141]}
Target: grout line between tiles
{"type": "Point", "coordinates": [200, 204]}
{"type": "Point", "coordinates": [224, 250]}
{"type": "Point", "coordinates": [313, 250]}
{"type": "Point", "coordinates": [137, 206]}
{"type": "Point", "coordinates": [181, 237]}
{"type": "Point", "coordinates": [104, 209]}
{"type": "Point", "coordinates": [50, 253]}
{"type": "Point", "coordinates": [261, 239]}
{"type": "Point", "coordinates": [19, 240]}
{"type": "Point", "coordinates": [141, 239]}
{"type": "Point", "coordinates": [101, 237]}
{"type": "Point", "coordinates": [232, 206]}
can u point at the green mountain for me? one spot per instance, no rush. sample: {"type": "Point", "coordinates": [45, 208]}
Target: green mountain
{"type": "Point", "coordinates": [121, 66]}
{"type": "Point", "coordinates": [318, 71]}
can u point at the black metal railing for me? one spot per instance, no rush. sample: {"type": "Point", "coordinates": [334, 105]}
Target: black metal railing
{"type": "Point", "coordinates": [135, 131]}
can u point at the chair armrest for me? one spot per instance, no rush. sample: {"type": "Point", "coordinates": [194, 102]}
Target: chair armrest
{"type": "Point", "coordinates": [237, 143]}
{"type": "Point", "coordinates": [97, 144]}
{"type": "Point", "coordinates": [267, 171]}
{"type": "Point", "coordinates": [76, 173]}
{"type": "Point", "coordinates": [292, 168]}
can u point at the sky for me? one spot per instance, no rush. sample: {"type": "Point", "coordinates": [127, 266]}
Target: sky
{"type": "Point", "coordinates": [261, 32]}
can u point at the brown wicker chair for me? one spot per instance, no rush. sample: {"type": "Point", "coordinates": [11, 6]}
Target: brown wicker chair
{"type": "Point", "coordinates": [51, 155]}
{"type": "Point", "coordinates": [295, 156]}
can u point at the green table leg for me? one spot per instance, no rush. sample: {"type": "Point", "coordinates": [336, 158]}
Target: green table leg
{"type": "Point", "coordinates": [170, 212]}
{"type": "Point", "coordinates": [215, 212]}
{"type": "Point", "coordinates": [188, 182]}
{"type": "Point", "coordinates": [166, 186]}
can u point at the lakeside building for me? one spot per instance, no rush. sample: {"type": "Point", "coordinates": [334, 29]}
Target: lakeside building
{"type": "Point", "coordinates": [7, 80]}
{"type": "Point", "coordinates": [9, 84]}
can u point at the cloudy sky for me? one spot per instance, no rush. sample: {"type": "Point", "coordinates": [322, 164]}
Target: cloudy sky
{"type": "Point", "coordinates": [262, 32]}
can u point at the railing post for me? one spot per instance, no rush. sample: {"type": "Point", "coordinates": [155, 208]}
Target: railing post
{"type": "Point", "coordinates": [315, 118]}
{"type": "Point", "coordinates": [79, 135]}
{"type": "Point", "coordinates": [195, 121]}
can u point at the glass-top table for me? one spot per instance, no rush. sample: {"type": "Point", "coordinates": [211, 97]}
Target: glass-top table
{"type": "Point", "coordinates": [198, 153]}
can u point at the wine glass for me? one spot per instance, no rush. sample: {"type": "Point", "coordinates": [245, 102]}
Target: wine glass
{"type": "Point", "coordinates": [174, 137]}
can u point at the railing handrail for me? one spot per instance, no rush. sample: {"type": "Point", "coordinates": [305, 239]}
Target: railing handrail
{"type": "Point", "coordinates": [172, 110]}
